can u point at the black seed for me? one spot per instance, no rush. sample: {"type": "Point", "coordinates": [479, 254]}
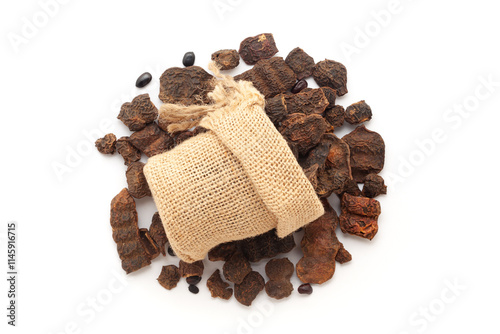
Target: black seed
{"type": "Point", "coordinates": [305, 289]}
{"type": "Point", "coordinates": [143, 80]}
{"type": "Point", "coordinates": [193, 280]}
{"type": "Point", "coordinates": [300, 85]}
{"type": "Point", "coordinates": [170, 251]}
{"type": "Point", "coordinates": [188, 59]}
{"type": "Point", "coordinates": [194, 289]}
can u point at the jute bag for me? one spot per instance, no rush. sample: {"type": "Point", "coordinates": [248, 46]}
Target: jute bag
{"type": "Point", "coordinates": [238, 180]}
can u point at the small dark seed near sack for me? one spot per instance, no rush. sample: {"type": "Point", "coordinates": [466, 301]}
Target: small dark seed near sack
{"type": "Point", "coordinates": [188, 59]}
{"type": "Point", "coordinates": [143, 80]}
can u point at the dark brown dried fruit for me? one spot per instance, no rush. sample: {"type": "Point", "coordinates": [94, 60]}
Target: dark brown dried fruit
{"type": "Point", "coordinates": [335, 116]}
{"type": "Point", "coordinates": [359, 216]}
{"type": "Point", "coordinates": [343, 255]}
{"type": "Point", "coordinates": [191, 269]}
{"type": "Point", "coordinates": [219, 288]}
{"type": "Point", "coordinates": [270, 76]}
{"type": "Point", "coordinates": [331, 96]}
{"type": "Point", "coordinates": [367, 152]}
{"type": "Point", "coordinates": [126, 233]}
{"type": "Point", "coordinates": [223, 252]}
{"type": "Point", "coordinates": [300, 62]}
{"type": "Point", "coordinates": [226, 59]}
{"type": "Point", "coordinates": [279, 272]}
{"type": "Point", "coordinates": [374, 186]}
{"type": "Point", "coordinates": [157, 232]}
{"type": "Point", "coordinates": [151, 140]}
{"type": "Point", "coordinates": [107, 144]}
{"type": "Point", "coordinates": [312, 175]}
{"type": "Point", "coordinates": [303, 130]}
{"type": "Point", "coordinates": [185, 135]}
{"type": "Point", "coordinates": [188, 85]}
{"type": "Point", "coordinates": [138, 113]}
{"type": "Point", "coordinates": [351, 187]}
{"type": "Point", "coordinates": [320, 246]}
{"type": "Point", "coordinates": [305, 289]}
{"type": "Point", "coordinates": [128, 151]}
{"type": "Point", "coordinates": [248, 290]}
{"type": "Point", "coordinates": [236, 268]}
{"type": "Point", "coordinates": [149, 245]}
{"type": "Point", "coordinates": [331, 74]}
{"type": "Point", "coordinates": [358, 113]}
{"type": "Point", "coordinates": [169, 277]}
{"type": "Point", "coordinates": [309, 102]}
{"type": "Point", "coordinates": [266, 245]}
{"type": "Point", "coordinates": [253, 49]}
{"type": "Point", "coordinates": [137, 184]}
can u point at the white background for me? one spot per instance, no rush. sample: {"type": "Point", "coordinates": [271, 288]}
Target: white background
{"type": "Point", "coordinates": [439, 224]}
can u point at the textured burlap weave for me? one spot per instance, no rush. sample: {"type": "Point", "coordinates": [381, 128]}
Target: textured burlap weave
{"type": "Point", "coordinates": [238, 180]}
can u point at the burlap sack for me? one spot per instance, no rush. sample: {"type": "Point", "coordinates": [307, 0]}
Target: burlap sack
{"type": "Point", "coordinates": [238, 180]}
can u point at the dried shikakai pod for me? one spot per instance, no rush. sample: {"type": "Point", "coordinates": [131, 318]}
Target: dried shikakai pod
{"type": "Point", "coordinates": [303, 130]}
{"type": "Point", "coordinates": [310, 102]}
{"type": "Point", "coordinates": [223, 252]}
{"type": "Point", "coordinates": [331, 74]}
{"type": "Point", "coordinates": [191, 269]}
{"type": "Point", "coordinates": [358, 113]}
{"type": "Point", "coordinates": [253, 49]}
{"type": "Point", "coordinates": [169, 277]}
{"type": "Point", "coordinates": [374, 186]}
{"type": "Point", "coordinates": [126, 233]}
{"type": "Point", "coordinates": [107, 144]}
{"type": "Point", "coordinates": [300, 62]}
{"type": "Point", "coordinates": [279, 272]}
{"type": "Point", "coordinates": [343, 255]}
{"type": "Point", "coordinates": [236, 268]}
{"type": "Point", "coordinates": [149, 244]}
{"type": "Point", "coordinates": [185, 135]}
{"type": "Point", "coordinates": [226, 59]}
{"type": "Point", "coordinates": [152, 140]}
{"type": "Point", "coordinates": [128, 151]}
{"type": "Point", "coordinates": [266, 245]}
{"type": "Point", "coordinates": [157, 232]}
{"type": "Point", "coordinates": [137, 184]}
{"type": "Point", "coordinates": [187, 85]}
{"type": "Point", "coordinates": [367, 150]}
{"type": "Point", "coordinates": [320, 246]}
{"type": "Point", "coordinates": [270, 76]}
{"type": "Point", "coordinates": [219, 288]}
{"type": "Point", "coordinates": [331, 96]}
{"type": "Point", "coordinates": [312, 175]}
{"type": "Point", "coordinates": [351, 187]}
{"type": "Point", "coordinates": [359, 216]}
{"type": "Point", "coordinates": [138, 113]}
{"type": "Point", "coordinates": [247, 291]}
{"type": "Point", "coordinates": [335, 116]}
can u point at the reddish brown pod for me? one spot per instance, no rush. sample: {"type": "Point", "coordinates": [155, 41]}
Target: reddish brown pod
{"type": "Point", "coordinates": [236, 268]}
{"type": "Point", "coordinates": [218, 288]}
{"type": "Point", "coordinates": [266, 246]}
{"type": "Point", "coordinates": [358, 113]}
{"type": "Point", "coordinates": [304, 131]}
{"type": "Point", "coordinates": [107, 144]}
{"type": "Point", "coordinates": [223, 252]}
{"type": "Point", "coordinates": [149, 244]}
{"type": "Point", "coordinates": [367, 150]}
{"type": "Point", "coordinates": [187, 85]}
{"type": "Point", "coordinates": [152, 140]}
{"type": "Point", "coordinates": [335, 116]}
{"type": "Point", "coordinates": [359, 216]}
{"type": "Point", "coordinates": [331, 74]}
{"type": "Point", "coordinates": [253, 49]}
{"type": "Point", "coordinates": [157, 232]}
{"type": "Point", "coordinates": [169, 277]}
{"type": "Point", "coordinates": [374, 186]}
{"type": "Point", "coordinates": [301, 63]}
{"type": "Point", "coordinates": [309, 102]}
{"type": "Point", "coordinates": [128, 151]}
{"type": "Point", "coordinates": [226, 59]}
{"type": "Point", "coordinates": [249, 288]}
{"type": "Point", "coordinates": [138, 113]}
{"type": "Point", "coordinates": [136, 181]}
{"type": "Point", "coordinates": [191, 269]}
{"type": "Point", "coordinates": [126, 233]}
{"type": "Point", "coordinates": [279, 272]}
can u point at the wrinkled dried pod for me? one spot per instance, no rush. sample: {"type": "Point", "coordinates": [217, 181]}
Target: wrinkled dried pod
{"type": "Point", "coordinates": [187, 85]}
{"type": "Point", "coordinates": [367, 152]}
{"type": "Point", "coordinates": [218, 288]}
{"type": "Point", "coordinates": [149, 244]}
{"type": "Point", "coordinates": [247, 291]}
{"type": "Point", "coordinates": [253, 49]}
{"type": "Point", "coordinates": [331, 74]}
{"type": "Point", "coordinates": [335, 116]}
{"type": "Point", "coordinates": [279, 272]}
{"type": "Point", "coordinates": [185, 135]}
{"type": "Point", "coordinates": [138, 113]}
{"type": "Point", "coordinates": [359, 216]}
{"type": "Point", "coordinates": [303, 130]}
{"type": "Point", "coordinates": [343, 255]}
{"type": "Point", "coordinates": [236, 268]}
{"type": "Point", "coordinates": [126, 233]}
{"type": "Point", "coordinates": [169, 277]}
{"type": "Point", "coordinates": [107, 144]}
{"type": "Point", "coordinates": [151, 140]}
{"type": "Point", "coordinates": [191, 269]}
{"type": "Point", "coordinates": [157, 232]}
{"type": "Point", "coordinates": [270, 76]}
{"type": "Point", "coordinates": [374, 186]}
{"type": "Point", "coordinates": [128, 151]}
{"type": "Point", "coordinates": [310, 102]}
{"type": "Point", "coordinates": [331, 96]}
{"type": "Point", "coordinates": [226, 59]}
{"type": "Point", "coordinates": [300, 62]}
{"type": "Point", "coordinates": [223, 252]}
{"type": "Point", "coordinates": [312, 175]}
{"type": "Point", "coordinates": [266, 245]}
{"type": "Point", "coordinates": [358, 113]}
{"type": "Point", "coordinates": [137, 184]}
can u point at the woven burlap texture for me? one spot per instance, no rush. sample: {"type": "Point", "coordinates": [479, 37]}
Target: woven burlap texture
{"type": "Point", "coordinates": [238, 180]}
